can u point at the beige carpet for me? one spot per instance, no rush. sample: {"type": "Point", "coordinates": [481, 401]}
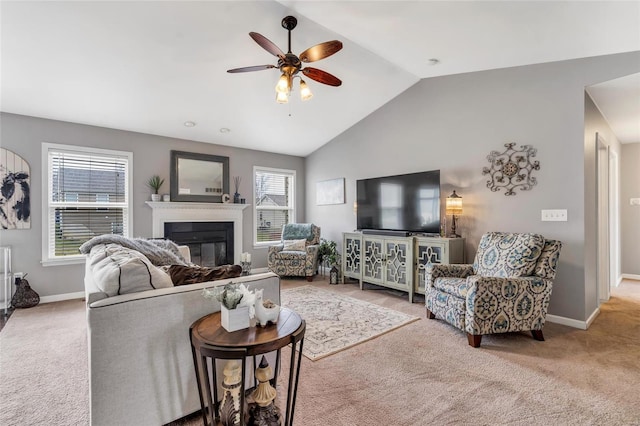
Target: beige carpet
{"type": "Point", "coordinates": [336, 322]}
{"type": "Point", "coordinates": [423, 373]}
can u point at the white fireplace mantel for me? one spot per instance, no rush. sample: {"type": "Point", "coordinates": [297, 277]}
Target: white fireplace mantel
{"type": "Point", "coordinates": [163, 211]}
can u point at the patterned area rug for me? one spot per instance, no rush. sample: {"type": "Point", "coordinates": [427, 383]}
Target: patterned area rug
{"type": "Point", "coordinates": [336, 322]}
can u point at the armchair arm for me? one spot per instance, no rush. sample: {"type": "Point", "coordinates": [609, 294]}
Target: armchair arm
{"type": "Point", "coordinates": [500, 305]}
{"type": "Point", "coordinates": [311, 261]}
{"type": "Point", "coordinates": [437, 270]}
{"type": "Point", "coordinates": [275, 249]}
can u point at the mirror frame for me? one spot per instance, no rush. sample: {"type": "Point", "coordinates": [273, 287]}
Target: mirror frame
{"type": "Point", "coordinates": [175, 176]}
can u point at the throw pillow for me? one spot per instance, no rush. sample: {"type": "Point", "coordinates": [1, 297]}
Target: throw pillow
{"type": "Point", "coordinates": [503, 254]}
{"type": "Point", "coordinates": [295, 245]}
{"type": "Point", "coordinates": [120, 270]}
{"type": "Point", "coordinates": [183, 275]}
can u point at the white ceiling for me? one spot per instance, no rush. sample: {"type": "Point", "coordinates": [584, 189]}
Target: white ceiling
{"type": "Point", "coordinates": [150, 66]}
{"type": "Point", "coordinates": [619, 102]}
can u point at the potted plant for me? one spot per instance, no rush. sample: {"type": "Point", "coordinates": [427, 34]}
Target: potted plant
{"type": "Point", "coordinates": [235, 302]}
{"type": "Point", "coordinates": [328, 256]}
{"type": "Point", "coordinates": [155, 182]}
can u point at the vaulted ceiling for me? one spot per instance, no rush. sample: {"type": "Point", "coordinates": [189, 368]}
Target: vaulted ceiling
{"type": "Point", "coordinates": [151, 66]}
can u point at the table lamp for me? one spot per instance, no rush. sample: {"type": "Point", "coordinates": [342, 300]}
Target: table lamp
{"type": "Point", "coordinates": [454, 208]}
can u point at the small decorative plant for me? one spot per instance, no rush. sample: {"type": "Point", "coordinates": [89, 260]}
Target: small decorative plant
{"type": "Point", "coordinates": [231, 295]}
{"type": "Point", "coordinates": [155, 182]}
{"type": "Point", "coordinates": [328, 252]}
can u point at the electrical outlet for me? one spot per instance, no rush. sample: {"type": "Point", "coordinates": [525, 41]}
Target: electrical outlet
{"type": "Point", "coordinates": [554, 215]}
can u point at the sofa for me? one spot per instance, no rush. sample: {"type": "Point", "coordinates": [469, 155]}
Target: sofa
{"type": "Point", "coordinates": [297, 253]}
{"type": "Point", "coordinates": [140, 361]}
{"type": "Point", "coordinates": [507, 289]}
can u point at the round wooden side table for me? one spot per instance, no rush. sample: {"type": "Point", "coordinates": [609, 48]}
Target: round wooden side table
{"type": "Point", "coordinates": [210, 340]}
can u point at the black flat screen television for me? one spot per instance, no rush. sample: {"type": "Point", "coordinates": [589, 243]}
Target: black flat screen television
{"type": "Point", "coordinates": [409, 202]}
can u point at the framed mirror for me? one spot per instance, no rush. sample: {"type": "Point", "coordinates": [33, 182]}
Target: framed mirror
{"type": "Point", "coordinates": [198, 177]}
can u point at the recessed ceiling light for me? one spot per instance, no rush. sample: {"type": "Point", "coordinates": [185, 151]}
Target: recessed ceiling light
{"type": "Point", "coordinates": [224, 130]}
{"type": "Point", "coordinates": [434, 61]}
{"type": "Point", "coordinates": [189, 124]}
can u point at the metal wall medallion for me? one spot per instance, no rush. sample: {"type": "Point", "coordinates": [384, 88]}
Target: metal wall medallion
{"type": "Point", "coordinates": [512, 169]}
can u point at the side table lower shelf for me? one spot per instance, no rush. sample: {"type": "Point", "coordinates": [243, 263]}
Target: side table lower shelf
{"type": "Point", "coordinates": [210, 340]}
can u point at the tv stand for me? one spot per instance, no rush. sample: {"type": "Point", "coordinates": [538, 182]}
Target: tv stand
{"type": "Point", "coordinates": [397, 262]}
{"type": "Point", "coordinates": [386, 232]}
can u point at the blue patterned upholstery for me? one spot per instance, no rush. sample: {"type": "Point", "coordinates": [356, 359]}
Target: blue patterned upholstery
{"type": "Point", "coordinates": [507, 288]}
{"type": "Point", "coordinates": [296, 263]}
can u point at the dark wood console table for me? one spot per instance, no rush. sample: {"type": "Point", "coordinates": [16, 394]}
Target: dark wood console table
{"type": "Point", "coordinates": [210, 340]}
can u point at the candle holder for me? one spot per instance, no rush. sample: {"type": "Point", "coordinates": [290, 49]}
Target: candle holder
{"type": "Point", "coordinates": [246, 267]}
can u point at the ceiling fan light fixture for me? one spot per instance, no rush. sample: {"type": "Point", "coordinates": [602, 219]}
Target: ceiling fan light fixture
{"type": "Point", "coordinates": [283, 85]}
{"type": "Point", "coordinates": [305, 92]}
{"type": "Point", "coordinates": [282, 97]}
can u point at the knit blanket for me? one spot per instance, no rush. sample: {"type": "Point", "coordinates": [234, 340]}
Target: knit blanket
{"type": "Point", "coordinates": [159, 252]}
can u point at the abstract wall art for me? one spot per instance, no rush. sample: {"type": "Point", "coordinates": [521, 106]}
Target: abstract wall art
{"type": "Point", "coordinates": [15, 190]}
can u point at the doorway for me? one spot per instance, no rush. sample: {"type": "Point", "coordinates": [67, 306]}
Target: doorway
{"type": "Point", "coordinates": [608, 240]}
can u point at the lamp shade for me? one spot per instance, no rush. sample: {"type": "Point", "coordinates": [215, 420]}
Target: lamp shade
{"type": "Point", "coordinates": [454, 204]}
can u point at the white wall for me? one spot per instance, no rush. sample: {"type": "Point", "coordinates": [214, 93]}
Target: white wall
{"type": "Point", "coordinates": [151, 155]}
{"type": "Point", "coordinates": [630, 215]}
{"type": "Point", "coordinates": [452, 123]}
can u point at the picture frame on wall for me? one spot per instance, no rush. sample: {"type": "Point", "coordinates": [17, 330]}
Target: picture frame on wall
{"type": "Point", "coordinates": [199, 177]}
{"type": "Point", "coordinates": [330, 192]}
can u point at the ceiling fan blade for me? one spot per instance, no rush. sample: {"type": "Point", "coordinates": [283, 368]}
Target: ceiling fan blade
{"type": "Point", "coordinates": [254, 68]}
{"type": "Point", "coordinates": [321, 76]}
{"type": "Point", "coordinates": [321, 51]}
{"type": "Point", "coordinates": [267, 45]}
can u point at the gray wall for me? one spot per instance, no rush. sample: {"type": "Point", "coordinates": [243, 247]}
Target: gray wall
{"type": "Point", "coordinates": [151, 155]}
{"type": "Point", "coordinates": [452, 123]}
{"type": "Point", "coordinates": [630, 215]}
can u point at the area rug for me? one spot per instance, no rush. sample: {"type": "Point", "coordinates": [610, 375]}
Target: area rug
{"type": "Point", "coordinates": [336, 322]}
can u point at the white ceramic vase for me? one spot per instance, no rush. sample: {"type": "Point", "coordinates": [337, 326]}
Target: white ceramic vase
{"type": "Point", "coordinates": [155, 197]}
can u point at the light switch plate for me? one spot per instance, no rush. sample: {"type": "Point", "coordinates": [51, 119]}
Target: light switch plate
{"type": "Point", "coordinates": [554, 215]}
{"type": "Point", "coordinates": [634, 201]}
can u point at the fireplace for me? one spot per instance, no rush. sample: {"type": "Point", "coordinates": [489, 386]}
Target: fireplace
{"type": "Point", "coordinates": [210, 243]}
{"type": "Point", "coordinates": [179, 212]}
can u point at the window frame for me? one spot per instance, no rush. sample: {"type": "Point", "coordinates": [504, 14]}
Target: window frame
{"type": "Point", "coordinates": [292, 209]}
{"type": "Point", "coordinates": [47, 189]}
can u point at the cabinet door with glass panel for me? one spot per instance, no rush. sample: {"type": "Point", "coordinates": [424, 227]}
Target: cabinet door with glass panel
{"type": "Point", "coordinates": [435, 250]}
{"type": "Point", "coordinates": [352, 248]}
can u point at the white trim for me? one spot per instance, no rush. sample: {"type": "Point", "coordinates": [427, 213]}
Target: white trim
{"type": "Point", "coordinates": [198, 212]}
{"type": "Point", "coordinates": [629, 277]}
{"type": "Point", "coordinates": [61, 297]}
{"type": "Point", "coordinates": [582, 325]}
{"type": "Point", "coordinates": [45, 260]}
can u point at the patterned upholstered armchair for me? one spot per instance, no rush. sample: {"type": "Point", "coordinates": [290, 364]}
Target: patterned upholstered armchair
{"type": "Point", "coordinates": [507, 288]}
{"type": "Point", "coordinates": [297, 254]}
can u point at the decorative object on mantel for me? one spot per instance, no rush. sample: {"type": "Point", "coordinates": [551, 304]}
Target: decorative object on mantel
{"type": "Point", "coordinates": [453, 209]}
{"type": "Point", "coordinates": [290, 65]}
{"type": "Point", "coordinates": [245, 262]}
{"type": "Point", "coordinates": [226, 198]}
{"type": "Point", "coordinates": [330, 192]}
{"type": "Point", "coordinates": [166, 198]}
{"type": "Point", "coordinates": [15, 192]}
{"type": "Point", "coordinates": [25, 296]}
{"type": "Point", "coordinates": [512, 168]}
{"type": "Point", "coordinates": [263, 412]}
{"type": "Point", "coordinates": [236, 185]}
{"type": "Point", "coordinates": [155, 182]}
{"type": "Point", "coordinates": [236, 305]}
{"type": "Point", "coordinates": [199, 177]}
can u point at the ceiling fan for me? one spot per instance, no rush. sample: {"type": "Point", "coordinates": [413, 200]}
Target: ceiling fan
{"type": "Point", "coordinates": [290, 65]}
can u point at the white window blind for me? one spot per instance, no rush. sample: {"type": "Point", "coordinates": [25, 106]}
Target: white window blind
{"type": "Point", "coordinates": [88, 196]}
{"type": "Point", "coordinates": [274, 201]}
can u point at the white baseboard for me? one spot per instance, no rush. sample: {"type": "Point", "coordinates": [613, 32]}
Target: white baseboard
{"type": "Point", "coordinates": [61, 297]}
{"type": "Point", "coordinates": [582, 325]}
{"type": "Point", "coordinates": [629, 277]}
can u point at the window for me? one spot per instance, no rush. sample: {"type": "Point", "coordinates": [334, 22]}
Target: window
{"type": "Point", "coordinates": [274, 192]}
{"type": "Point", "coordinates": [88, 195]}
